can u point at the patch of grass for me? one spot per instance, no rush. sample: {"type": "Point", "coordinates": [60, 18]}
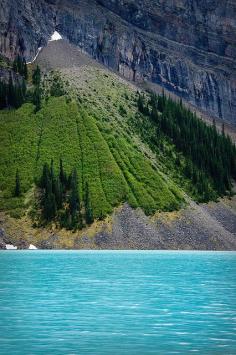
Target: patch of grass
{"type": "Point", "coordinates": [18, 136]}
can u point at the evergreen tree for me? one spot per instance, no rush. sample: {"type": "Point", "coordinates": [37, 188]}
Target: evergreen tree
{"type": "Point", "coordinates": [17, 191]}
{"type": "Point", "coordinates": [62, 175]}
{"type": "Point", "coordinates": [20, 66]}
{"type": "Point", "coordinates": [37, 98]}
{"type": "Point", "coordinates": [12, 94]}
{"type": "Point", "coordinates": [24, 89]}
{"type": "Point", "coordinates": [49, 203]}
{"type": "Point", "coordinates": [74, 202]}
{"type": "Point", "coordinates": [45, 176]}
{"type": "Point", "coordinates": [142, 106]}
{"type": "Point", "coordinates": [80, 221]}
{"type": "Point", "coordinates": [88, 207]}
{"type": "Point", "coordinates": [58, 193]}
{"type": "Point", "coordinates": [49, 208]}
{"type": "Point", "coordinates": [57, 87]}
{"type": "Point", "coordinates": [4, 94]}
{"type": "Point", "coordinates": [53, 178]}
{"type": "Point", "coordinates": [36, 77]}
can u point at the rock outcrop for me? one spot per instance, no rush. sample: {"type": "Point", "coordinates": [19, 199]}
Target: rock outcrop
{"type": "Point", "coordinates": [25, 26]}
{"type": "Point", "coordinates": [187, 46]}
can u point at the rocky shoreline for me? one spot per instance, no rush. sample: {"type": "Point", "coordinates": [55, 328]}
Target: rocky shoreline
{"type": "Point", "coordinates": [197, 227]}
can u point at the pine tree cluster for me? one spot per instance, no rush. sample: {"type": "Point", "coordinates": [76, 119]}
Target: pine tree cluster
{"type": "Point", "coordinates": [12, 94]}
{"type": "Point", "coordinates": [210, 156]}
{"type": "Point", "coordinates": [20, 66]}
{"type": "Point", "coordinates": [61, 199]}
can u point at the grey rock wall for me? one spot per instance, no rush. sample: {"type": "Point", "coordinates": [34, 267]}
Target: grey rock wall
{"type": "Point", "coordinates": [187, 46]}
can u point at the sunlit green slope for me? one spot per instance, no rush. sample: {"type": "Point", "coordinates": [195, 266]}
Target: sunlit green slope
{"type": "Point", "coordinates": [115, 169]}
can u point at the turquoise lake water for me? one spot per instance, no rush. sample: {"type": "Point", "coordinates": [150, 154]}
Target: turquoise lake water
{"type": "Point", "coordinates": [73, 302]}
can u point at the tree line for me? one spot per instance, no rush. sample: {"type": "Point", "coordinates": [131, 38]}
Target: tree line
{"type": "Point", "coordinates": [61, 200]}
{"type": "Point", "coordinates": [13, 92]}
{"type": "Point", "coordinates": [20, 66]}
{"type": "Point", "coordinates": [210, 156]}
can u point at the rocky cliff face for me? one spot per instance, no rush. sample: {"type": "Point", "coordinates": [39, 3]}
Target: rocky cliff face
{"type": "Point", "coordinates": [25, 26]}
{"type": "Point", "coordinates": [187, 46]}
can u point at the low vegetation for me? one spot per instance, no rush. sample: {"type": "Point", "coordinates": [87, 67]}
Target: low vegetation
{"type": "Point", "coordinates": [113, 169]}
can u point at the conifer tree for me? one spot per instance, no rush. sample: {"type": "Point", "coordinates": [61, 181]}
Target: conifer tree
{"type": "Point", "coordinates": [20, 66]}
{"type": "Point", "coordinates": [62, 175]}
{"type": "Point", "coordinates": [17, 191]}
{"type": "Point", "coordinates": [37, 98]}
{"type": "Point", "coordinates": [223, 129]}
{"type": "Point", "coordinates": [74, 202]}
{"type": "Point", "coordinates": [4, 94]}
{"type": "Point", "coordinates": [58, 193]}
{"type": "Point", "coordinates": [11, 92]}
{"type": "Point", "coordinates": [52, 175]}
{"type": "Point", "coordinates": [88, 207]}
{"type": "Point", "coordinates": [49, 210]}
{"type": "Point", "coordinates": [80, 220]}
{"type": "Point", "coordinates": [143, 108]}
{"type": "Point", "coordinates": [45, 176]}
{"type": "Point", "coordinates": [36, 77]}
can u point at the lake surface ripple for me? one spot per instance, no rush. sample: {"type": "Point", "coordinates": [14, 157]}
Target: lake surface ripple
{"type": "Point", "coordinates": [95, 302]}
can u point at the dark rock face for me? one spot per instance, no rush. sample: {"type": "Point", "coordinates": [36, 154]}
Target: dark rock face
{"type": "Point", "coordinates": [25, 26]}
{"type": "Point", "coordinates": [187, 46]}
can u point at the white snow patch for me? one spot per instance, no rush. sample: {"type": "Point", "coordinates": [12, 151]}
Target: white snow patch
{"type": "Point", "coordinates": [10, 247]}
{"type": "Point", "coordinates": [55, 37]}
{"type": "Point", "coordinates": [35, 56]}
{"type": "Point", "coordinates": [32, 247]}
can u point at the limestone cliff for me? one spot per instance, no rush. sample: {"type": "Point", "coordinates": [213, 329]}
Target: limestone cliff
{"type": "Point", "coordinates": [187, 46]}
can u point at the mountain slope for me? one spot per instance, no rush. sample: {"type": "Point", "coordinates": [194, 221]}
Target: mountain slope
{"type": "Point", "coordinates": [94, 136]}
{"type": "Point", "coordinates": [96, 126]}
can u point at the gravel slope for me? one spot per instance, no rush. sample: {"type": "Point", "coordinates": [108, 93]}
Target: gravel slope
{"type": "Point", "coordinates": [198, 227]}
